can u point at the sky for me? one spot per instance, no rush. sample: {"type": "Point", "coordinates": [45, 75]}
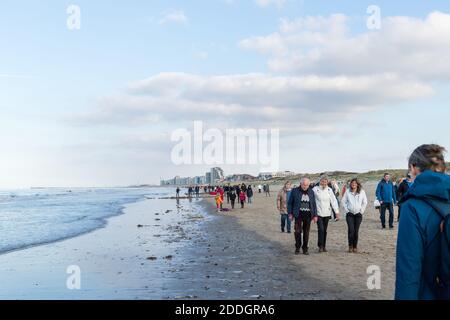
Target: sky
{"type": "Point", "coordinates": [96, 106]}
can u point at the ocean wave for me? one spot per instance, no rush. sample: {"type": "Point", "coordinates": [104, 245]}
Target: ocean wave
{"type": "Point", "coordinates": [40, 216]}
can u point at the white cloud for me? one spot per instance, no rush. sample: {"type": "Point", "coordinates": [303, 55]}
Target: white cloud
{"type": "Point", "coordinates": [310, 104]}
{"type": "Point", "coordinates": [266, 3]}
{"type": "Point", "coordinates": [173, 16]}
{"type": "Point", "coordinates": [406, 46]}
{"type": "Point", "coordinates": [321, 77]}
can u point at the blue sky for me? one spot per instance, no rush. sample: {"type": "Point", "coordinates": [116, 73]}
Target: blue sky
{"type": "Point", "coordinates": [57, 86]}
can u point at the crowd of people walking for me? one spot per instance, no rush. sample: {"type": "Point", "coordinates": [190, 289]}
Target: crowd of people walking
{"type": "Point", "coordinates": [423, 201]}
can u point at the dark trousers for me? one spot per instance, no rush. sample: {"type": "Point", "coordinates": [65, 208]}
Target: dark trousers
{"type": "Point", "coordinates": [353, 223]}
{"type": "Point", "coordinates": [322, 226]}
{"type": "Point", "coordinates": [228, 197]}
{"type": "Point", "coordinates": [285, 222]}
{"type": "Point", "coordinates": [232, 204]}
{"type": "Point", "coordinates": [390, 207]}
{"type": "Point", "coordinates": [242, 203]}
{"type": "Point", "coordinates": [302, 225]}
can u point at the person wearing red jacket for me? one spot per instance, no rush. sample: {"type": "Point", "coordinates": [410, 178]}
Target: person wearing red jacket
{"type": "Point", "coordinates": [242, 198]}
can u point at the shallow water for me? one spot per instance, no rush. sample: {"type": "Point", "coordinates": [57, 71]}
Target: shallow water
{"type": "Point", "coordinates": [37, 216]}
{"type": "Point", "coordinates": [114, 261]}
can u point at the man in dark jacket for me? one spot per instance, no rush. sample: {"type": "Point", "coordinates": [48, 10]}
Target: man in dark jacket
{"type": "Point", "coordinates": [401, 192]}
{"type": "Point", "coordinates": [386, 195]}
{"type": "Point", "coordinates": [302, 207]}
{"type": "Point", "coordinates": [422, 255]}
{"type": "Point", "coordinates": [232, 199]}
{"type": "Point", "coordinates": [249, 194]}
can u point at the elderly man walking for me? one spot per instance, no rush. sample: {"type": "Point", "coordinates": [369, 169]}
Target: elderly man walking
{"type": "Point", "coordinates": [302, 207]}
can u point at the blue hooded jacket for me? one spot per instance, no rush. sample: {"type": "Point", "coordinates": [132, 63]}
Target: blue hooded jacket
{"type": "Point", "coordinates": [419, 237]}
{"type": "Point", "coordinates": [386, 192]}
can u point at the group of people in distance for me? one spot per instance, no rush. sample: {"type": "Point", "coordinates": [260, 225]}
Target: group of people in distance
{"type": "Point", "coordinates": [241, 192]}
{"type": "Point", "coordinates": [423, 198]}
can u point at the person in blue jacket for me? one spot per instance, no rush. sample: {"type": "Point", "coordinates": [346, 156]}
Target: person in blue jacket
{"type": "Point", "coordinates": [386, 195]}
{"type": "Point", "coordinates": [423, 258]}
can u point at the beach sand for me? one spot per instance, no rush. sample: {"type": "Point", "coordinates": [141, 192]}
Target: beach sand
{"type": "Point", "coordinates": [188, 251]}
{"type": "Point", "coordinates": [338, 274]}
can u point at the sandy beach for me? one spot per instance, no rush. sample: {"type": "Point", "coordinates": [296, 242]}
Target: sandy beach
{"type": "Point", "coordinates": [336, 274]}
{"type": "Point", "coordinates": [164, 249]}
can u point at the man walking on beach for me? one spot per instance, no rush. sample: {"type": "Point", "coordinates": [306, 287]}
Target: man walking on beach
{"type": "Point", "coordinates": [197, 191]}
{"type": "Point", "coordinates": [302, 207]}
{"type": "Point", "coordinates": [267, 190]}
{"type": "Point", "coordinates": [386, 195]}
{"type": "Point", "coordinates": [282, 200]}
{"type": "Point", "coordinates": [227, 190]}
{"type": "Point", "coordinates": [249, 194]}
{"type": "Point", "coordinates": [232, 199]}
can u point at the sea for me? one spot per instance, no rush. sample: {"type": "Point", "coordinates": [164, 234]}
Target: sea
{"type": "Point", "coordinates": [31, 217]}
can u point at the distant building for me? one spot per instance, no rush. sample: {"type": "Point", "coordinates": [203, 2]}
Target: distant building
{"type": "Point", "coordinates": [208, 178]}
{"type": "Point", "coordinates": [273, 175]}
{"type": "Point", "coordinates": [265, 176]}
{"type": "Point", "coordinates": [284, 174]}
{"type": "Point", "coordinates": [217, 175]}
{"type": "Point", "coordinates": [211, 177]}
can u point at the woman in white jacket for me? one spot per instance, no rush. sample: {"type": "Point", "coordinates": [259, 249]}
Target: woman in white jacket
{"type": "Point", "coordinates": [326, 202]}
{"type": "Point", "coordinates": [355, 204]}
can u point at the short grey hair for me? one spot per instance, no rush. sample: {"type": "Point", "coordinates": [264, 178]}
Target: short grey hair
{"type": "Point", "coordinates": [304, 180]}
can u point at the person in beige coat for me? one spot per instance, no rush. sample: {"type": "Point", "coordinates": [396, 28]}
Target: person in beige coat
{"type": "Point", "coordinates": [282, 200]}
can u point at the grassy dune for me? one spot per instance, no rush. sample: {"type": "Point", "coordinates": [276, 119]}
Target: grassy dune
{"type": "Point", "coordinates": [344, 176]}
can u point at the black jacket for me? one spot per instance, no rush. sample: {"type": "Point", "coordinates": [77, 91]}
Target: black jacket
{"type": "Point", "coordinates": [402, 189]}
{"type": "Point", "coordinates": [294, 202]}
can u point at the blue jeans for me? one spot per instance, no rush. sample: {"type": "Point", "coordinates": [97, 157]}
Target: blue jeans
{"type": "Point", "coordinates": [249, 199]}
{"type": "Point", "coordinates": [390, 207]}
{"type": "Point", "coordinates": [285, 222]}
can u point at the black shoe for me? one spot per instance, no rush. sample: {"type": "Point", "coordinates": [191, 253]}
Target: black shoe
{"type": "Point", "coordinates": [383, 227]}
{"type": "Point", "coordinates": [391, 227]}
{"type": "Point", "coordinates": [289, 231]}
{"type": "Point", "coordinates": [282, 230]}
{"type": "Point", "coordinates": [297, 251]}
{"type": "Point", "coordinates": [305, 252]}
